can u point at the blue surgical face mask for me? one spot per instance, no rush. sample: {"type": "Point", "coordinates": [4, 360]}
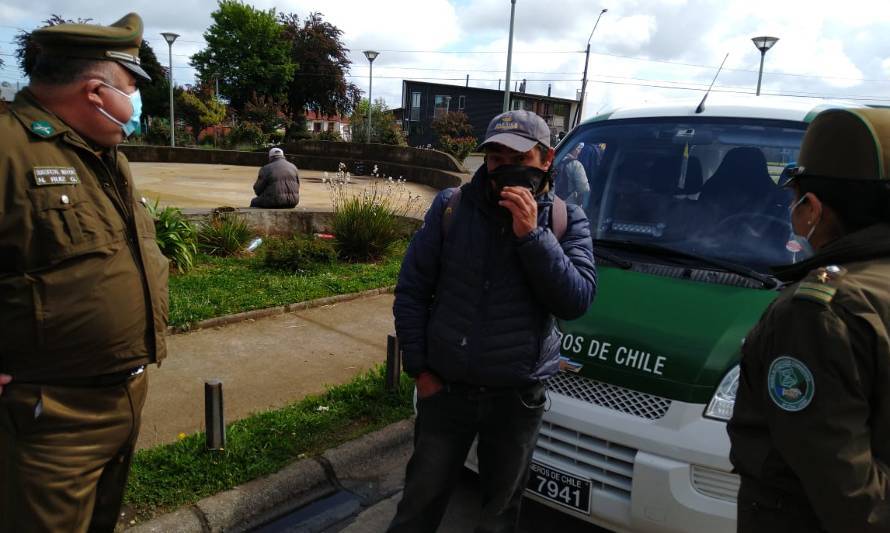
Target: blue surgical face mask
{"type": "Point", "coordinates": [803, 241]}
{"type": "Point", "coordinates": [132, 124]}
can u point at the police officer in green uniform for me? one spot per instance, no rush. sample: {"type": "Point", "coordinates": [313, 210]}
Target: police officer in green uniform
{"type": "Point", "coordinates": [83, 285]}
{"type": "Point", "coordinates": [811, 428]}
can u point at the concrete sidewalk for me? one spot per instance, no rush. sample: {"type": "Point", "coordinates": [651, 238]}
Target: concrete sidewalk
{"type": "Point", "coordinates": [264, 364]}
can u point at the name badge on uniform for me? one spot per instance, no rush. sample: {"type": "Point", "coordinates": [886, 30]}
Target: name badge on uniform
{"type": "Point", "coordinates": [55, 176]}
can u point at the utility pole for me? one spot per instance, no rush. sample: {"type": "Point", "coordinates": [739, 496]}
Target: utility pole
{"type": "Point", "coordinates": [586, 61]}
{"type": "Point", "coordinates": [509, 57]}
{"type": "Point", "coordinates": [170, 37]}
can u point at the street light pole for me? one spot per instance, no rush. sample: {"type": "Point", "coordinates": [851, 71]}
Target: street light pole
{"type": "Point", "coordinates": [371, 55]}
{"type": "Point", "coordinates": [509, 57]}
{"type": "Point", "coordinates": [170, 37]}
{"type": "Point", "coordinates": [586, 62]}
{"type": "Point", "coordinates": [763, 44]}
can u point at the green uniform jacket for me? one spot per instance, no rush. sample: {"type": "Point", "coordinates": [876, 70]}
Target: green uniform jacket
{"type": "Point", "coordinates": [810, 432]}
{"type": "Point", "coordinates": [83, 285]}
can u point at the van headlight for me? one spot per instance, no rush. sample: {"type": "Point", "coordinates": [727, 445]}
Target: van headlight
{"type": "Point", "coordinates": [722, 403]}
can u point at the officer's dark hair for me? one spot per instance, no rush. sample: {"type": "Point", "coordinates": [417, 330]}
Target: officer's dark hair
{"type": "Point", "coordinates": [59, 70]}
{"type": "Point", "coordinates": [857, 203]}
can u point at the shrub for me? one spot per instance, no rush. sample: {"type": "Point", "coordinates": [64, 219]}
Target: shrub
{"type": "Point", "coordinates": [299, 252]}
{"type": "Point", "coordinates": [158, 133]}
{"type": "Point", "coordinates": [367, 224]}
{"type": "Point", "coordinates": [245, 133]}
{"type": "Point", "coordinates": [459, 147]}
{"type": "Point", "coordinates": [224, 234]}
{"type": "Point", "coordinates": [328, 135]}
{"type": "Point", "coordinates": [452, 124]}
{"type": "Point", "coordinates": [176, 236]}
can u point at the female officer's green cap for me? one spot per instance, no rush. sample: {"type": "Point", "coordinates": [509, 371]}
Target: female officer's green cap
{"type": "Point", "coordinates": [118, 42]}
{"type": "Point", "coordinates": [846, 143]}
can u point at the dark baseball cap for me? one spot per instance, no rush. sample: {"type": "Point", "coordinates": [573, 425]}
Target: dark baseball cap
{"type": "Point", "coordinates": [518, 130]}
{"type": "Point", "coordinates": [118, 42]}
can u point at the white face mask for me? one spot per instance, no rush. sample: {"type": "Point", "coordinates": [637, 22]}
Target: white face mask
{"type": "Point", "coordinates": [803, 240]}
{"type": "Point", "coordinates": [132, 124]}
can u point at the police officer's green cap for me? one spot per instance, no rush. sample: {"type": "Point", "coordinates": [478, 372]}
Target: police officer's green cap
{"type": "Point", "coordinates": [118, 42]}
{"type": "Point", "coordinates": [850, 143]}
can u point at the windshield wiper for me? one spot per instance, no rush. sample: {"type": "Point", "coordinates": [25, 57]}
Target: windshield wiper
{"type": "Point", "coordinates": [623, 264]}
{"type": "Point", "coordinates": [768, 281]}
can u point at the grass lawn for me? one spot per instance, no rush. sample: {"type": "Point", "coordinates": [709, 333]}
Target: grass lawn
{"type": "Point", "coordinates": [223, 286]}
{"type": "Point", "coordinates": [170, 476]}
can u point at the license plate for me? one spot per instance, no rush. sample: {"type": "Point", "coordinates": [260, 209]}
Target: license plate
{"type": "Point", "coordinates": [559, 487]}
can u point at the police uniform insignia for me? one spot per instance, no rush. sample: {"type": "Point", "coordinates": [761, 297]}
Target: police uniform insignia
{"type": "Point", "coordinates": [819, 286]}
{"type": "Point", "coordinates": [42, 128]}
{"type": "Point", "coordinates": [791, 385]}
{"type": "Point", "coordinates": [44, 176]}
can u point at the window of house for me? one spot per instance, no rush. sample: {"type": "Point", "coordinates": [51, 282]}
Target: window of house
{"type": "Point", "coordinates": [442, 103]}
{"type": "Point", "coordinates": [415, 106]}
{"type": "Point", "coordinates": [461, 102]}
{"type": "Point", "coordinates": [316, 127]}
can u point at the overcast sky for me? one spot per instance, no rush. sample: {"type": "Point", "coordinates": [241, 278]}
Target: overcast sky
{"type": "Point", "coordinates": [642, 50]}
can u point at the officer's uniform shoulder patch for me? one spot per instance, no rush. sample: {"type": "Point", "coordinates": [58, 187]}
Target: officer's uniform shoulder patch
{"type": "Point", "coordinates": [821, 284]}
{"type": "Point", "coordinates": [790, 383]}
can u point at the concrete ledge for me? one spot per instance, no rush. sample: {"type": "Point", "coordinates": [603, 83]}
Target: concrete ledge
{"type": "Point", "coordinates": [251, 503]}
{"type": "Point", "coordinates": [429, 167]}
{"type": "Point", "coordinates": [262, 500]}
{"type": "Point", "coordinates": [181, 521]}
{"type": "Point", "coordinates": [351, 460]}
{"type": "Point", "coordinates": [279, 310]}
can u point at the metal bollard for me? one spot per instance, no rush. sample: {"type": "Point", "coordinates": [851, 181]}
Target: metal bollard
{"type": "Point", "coordinates": [393, 363]}
{"type": "Point", "coordinates": [213, 415]}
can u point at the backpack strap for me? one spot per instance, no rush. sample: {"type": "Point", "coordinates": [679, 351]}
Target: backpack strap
{"type": "Point", "coordinates": [450, 208]}
{"type": "Point", "coordinates": [559, 217]}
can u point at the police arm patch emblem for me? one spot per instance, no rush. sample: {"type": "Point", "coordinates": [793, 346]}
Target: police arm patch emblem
{"type": "Point", "coordinates": [790, 383]}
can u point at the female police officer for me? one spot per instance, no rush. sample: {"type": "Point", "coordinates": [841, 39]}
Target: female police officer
{"type": "Point", "coordinates": [811, 429]}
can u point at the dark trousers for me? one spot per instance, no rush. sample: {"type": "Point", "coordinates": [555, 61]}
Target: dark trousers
{"type": "Point", "coordinates": [763, 509]}
{"type": "Point", "coordinates": [264, 203]}
{"type": "Point", "coordinates": [507, 423]}
{"type": "Point", "coordinates": [65, 454]}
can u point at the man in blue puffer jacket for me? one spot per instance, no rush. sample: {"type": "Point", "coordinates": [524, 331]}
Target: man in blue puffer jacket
{"type": "Point", "coordinates": [474, 311]}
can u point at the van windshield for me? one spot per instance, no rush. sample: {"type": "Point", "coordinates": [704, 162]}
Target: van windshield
{"type": "Point", "coordinates": [699, 185]}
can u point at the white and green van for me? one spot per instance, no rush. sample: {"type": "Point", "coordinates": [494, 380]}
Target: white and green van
{"type": "Point", "coordinates": [686, 218]}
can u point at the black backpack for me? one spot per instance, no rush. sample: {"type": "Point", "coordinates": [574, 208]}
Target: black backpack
{"type": "Point", "coordinates": [559, 217]}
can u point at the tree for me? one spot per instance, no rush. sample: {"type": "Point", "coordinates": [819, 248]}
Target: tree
{"type": "Point", "coordinates": [323, 61]}
{"type": "Point", "coordinates": [27, 50]}
{"type": "Point", "coordinates": [265, 112]}
{"type": "Point", "coordinates": [384, 129]}
{"type": "Point", "coordinates": [155, 93]}
{"type": "Point", "coordinates": [199, 108]}
{"type": "Point", "coordinates": [246, 52]}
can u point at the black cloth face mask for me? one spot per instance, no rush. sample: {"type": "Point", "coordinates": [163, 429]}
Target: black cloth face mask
{"type": "Point", "coordinates": [531, 178]}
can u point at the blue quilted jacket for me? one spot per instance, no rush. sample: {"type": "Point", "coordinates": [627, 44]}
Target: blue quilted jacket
{"type": "Point", "coordinates": [477, 305]}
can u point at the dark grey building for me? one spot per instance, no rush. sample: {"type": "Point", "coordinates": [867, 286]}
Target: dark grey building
{"type": "Point", "coordinates": [423, 101]}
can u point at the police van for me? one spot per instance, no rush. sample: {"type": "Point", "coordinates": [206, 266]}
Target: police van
{"type": "Point", "coordinates": [686, 218]}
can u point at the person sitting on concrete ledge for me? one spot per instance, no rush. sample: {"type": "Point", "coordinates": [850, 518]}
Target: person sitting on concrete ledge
{"type": "Point", "coordinates": [278, 183]}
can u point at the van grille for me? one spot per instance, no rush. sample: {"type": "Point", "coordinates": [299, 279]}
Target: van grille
{"type": "Point", "coordinates": [607, 464]}
{"type": "Point", "coordinates": [715, 483]}
{"type": "Point", "coordinates": [610, 396]}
